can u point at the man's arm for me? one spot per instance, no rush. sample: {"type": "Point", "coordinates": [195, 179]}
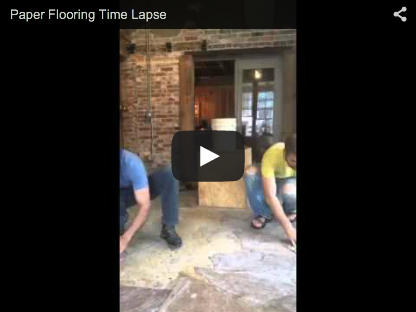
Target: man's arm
{"type": "Point", "coordinates": [143, 204]}
{"type": "Point", "coordinates": [269, 185]}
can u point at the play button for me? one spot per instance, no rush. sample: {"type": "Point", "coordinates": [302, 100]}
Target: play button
{"type": "Point", "coordinates": [205, 156]}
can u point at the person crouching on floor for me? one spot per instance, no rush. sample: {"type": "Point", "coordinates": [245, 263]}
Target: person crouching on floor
{"type": "Point", "coordinates": [138, 189]}
{"type": "Point", "coordinates": [271, 190]}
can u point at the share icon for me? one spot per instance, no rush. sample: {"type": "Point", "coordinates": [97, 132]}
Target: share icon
{"type": "Point", "coordinates": [397, 14]}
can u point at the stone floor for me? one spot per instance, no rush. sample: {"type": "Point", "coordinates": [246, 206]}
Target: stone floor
{"type": "Point", "coordinates": [223, 265]}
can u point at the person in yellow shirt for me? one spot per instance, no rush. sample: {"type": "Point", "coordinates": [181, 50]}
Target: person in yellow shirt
{"type": "Point", "coordinates": [271, 190]}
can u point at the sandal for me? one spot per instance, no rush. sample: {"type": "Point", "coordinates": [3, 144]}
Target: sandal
{"type": "Point", "coordinates": [260, 219]}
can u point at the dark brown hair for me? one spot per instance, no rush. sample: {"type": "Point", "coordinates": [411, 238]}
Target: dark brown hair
{"type": "Point", "coordinates": [290, 144]}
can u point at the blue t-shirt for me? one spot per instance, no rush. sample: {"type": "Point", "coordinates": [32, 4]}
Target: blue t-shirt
{"type": "Point", "coordinates": [132, 171]}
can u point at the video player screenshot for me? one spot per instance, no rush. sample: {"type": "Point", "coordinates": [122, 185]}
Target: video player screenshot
{"type": "Point", "coordinates": [151, 155]}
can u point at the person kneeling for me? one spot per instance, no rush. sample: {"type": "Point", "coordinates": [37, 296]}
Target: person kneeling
{"type": "Point", "coordinates": [273, 190]}
{"type": "Point", "coordinates": [136, 187]}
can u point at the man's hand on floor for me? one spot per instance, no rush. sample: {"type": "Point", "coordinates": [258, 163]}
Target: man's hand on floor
{"type": "Point", "coordinates": [124, 241]}
{"type": "Point", "coordinates": [291, 234]}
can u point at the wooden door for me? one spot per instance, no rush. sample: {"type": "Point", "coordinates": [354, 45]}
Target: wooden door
{"type": "Point", "coordinates": [215, 102]}
{"type": "Point", "coordinates": [186, 92]}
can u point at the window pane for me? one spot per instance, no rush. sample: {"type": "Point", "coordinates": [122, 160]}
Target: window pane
{"type": "Point", "coordinates": [247, 97]}
{"type": "Point", "coordinates": [247, 106]}
{"type": "Point", "coordinates": [269, 126]}
{"type": "Point", "coordinates": [266, 74]}
{"type": "Point", "coordinates": [247, 100]}
{"type": "Point", "coordinates": [264, 126]}
{"type": "Point", "coordinates": [247, 122]}
{"type": "Point", "coordinates": [261, 114]}
{"type": "Point", "coordinates": [259, 126]}
{"type": "Point", "coordinates": [246, 113]}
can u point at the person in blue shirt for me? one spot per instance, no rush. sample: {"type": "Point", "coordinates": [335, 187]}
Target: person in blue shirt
{"type": "Point", "coordinates": [138, 189]}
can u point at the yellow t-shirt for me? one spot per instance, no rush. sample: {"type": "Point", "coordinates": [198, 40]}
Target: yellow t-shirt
{"type": "Point", "coordinates": [274, 165]}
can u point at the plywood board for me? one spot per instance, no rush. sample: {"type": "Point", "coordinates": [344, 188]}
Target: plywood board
{"type": "Point", "coordinates": [225, 194]}
{"type": "Point", "coordinates": [222, 194]}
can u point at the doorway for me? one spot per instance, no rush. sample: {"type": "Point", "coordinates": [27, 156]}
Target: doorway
{"type": "Point", "coordinates": [245, 86]}
{"type": "Point", "coordinates": [214, 91]}
{"type": "Point", "coordinates": [258, 93]}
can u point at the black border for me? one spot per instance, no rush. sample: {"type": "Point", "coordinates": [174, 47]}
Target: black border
{"type": "Point", "coordinates": [61, 120]}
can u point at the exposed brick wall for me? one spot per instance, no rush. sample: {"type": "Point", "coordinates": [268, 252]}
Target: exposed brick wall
{"type": "Point", "coordinates": [165, 80]}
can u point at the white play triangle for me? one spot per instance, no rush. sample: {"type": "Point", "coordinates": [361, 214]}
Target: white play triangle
{"type": "Point", "coordinates": [205, 156]}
